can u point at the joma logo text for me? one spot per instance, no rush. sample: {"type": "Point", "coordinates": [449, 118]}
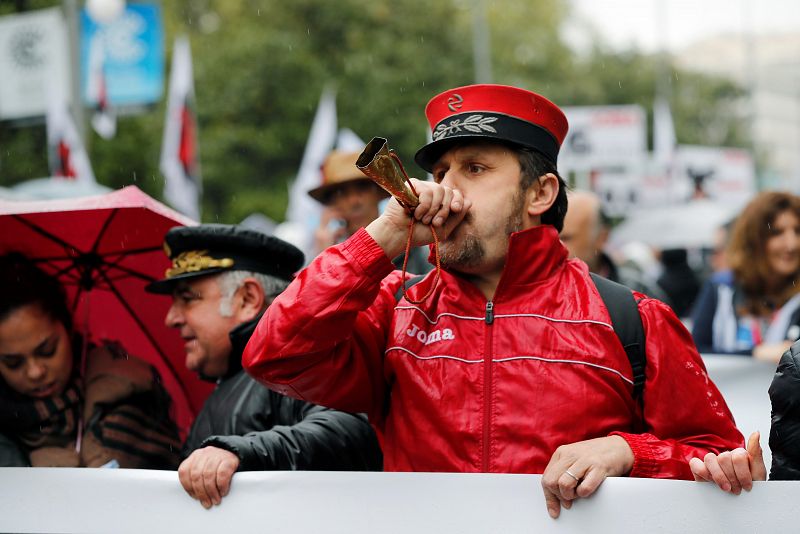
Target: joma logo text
{"type": "Point", "coordinates": [428, 338]}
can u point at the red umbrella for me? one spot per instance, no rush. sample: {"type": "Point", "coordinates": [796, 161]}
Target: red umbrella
{"type": "Point", "coordinates": [105, 249]}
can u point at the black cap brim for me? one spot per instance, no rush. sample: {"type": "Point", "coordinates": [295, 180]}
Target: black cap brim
{"type": "Point", "coordinates": [504, 129]}
{"type": "Point", "coordinates": [167, 285]}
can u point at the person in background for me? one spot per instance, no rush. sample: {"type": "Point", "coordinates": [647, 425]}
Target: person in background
{"type": "Point", "coordinates": [718, 259]}
{"type": "Point", "coordinates": [585, 234]}
{"type": "Point", "coordinates": [756, 310]}
{"type": "Point", "coordinates": [221, 280]}
{"type": "Point", "coordinates": [53, 413]}
{"type": "Point", "coordinates": [784, 433]}
{"type": "Point", "coordinates": [510, 364]}
{"type": "Point", "coordinates": [352, 201]}
{"type": "Point", "coordinates": [678, 280]}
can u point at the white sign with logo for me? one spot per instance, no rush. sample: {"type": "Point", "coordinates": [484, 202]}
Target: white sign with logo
{"type": "Point", "coordinates": [603, 136]}
{"type": "Point", "coordinates": [719, 173]}
{"type": "Point", "coordinates": [33, 57]}
{"type": "Point", "coordinates": [605, 151]}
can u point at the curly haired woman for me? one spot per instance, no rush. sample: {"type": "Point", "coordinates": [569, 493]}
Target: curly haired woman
{"type": "Point", "coordinates": [755, 309]}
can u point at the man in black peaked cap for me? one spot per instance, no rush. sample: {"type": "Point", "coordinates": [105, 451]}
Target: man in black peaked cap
{"type": "Point", "coordinates": [222, 280]}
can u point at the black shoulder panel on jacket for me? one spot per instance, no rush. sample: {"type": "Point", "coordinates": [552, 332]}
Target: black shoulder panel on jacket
{"type": "Point", "coordinates": [784, 434]}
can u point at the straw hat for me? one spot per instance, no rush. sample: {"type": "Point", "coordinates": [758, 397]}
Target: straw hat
{"type": "Point", "coordinates": [339, 168]}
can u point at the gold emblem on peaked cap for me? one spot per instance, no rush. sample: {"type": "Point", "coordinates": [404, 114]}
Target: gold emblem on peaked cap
{"type": "Point", "coordinates": [193, 261]}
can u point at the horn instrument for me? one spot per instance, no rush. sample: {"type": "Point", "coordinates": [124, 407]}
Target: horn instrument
{"type": "Point", "coordinates": [383, 166]}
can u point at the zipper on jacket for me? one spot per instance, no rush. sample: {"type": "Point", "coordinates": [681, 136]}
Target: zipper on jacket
{"type": "Point", "coordinates": [487, 387]}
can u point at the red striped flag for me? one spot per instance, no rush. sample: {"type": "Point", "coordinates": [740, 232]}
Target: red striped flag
{"type": "Point", "coordinates": [180, 162]}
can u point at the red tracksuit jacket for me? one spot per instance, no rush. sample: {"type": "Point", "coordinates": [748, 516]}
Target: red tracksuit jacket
{"type": "Point", "coordinates": [461, 384]}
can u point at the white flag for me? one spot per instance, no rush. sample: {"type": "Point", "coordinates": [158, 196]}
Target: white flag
{"type": "Point", "coordinates": [180, 161]}
{"type": "Point", "coordinates": [303, 211]}
{"type": "Point", "coordinates": [68, 157]}
{"type": "Point", "coordinates": [664, 141]}
{"type": "Point", "coordinates": [104, 120]}
{"type": "Point", "coordinates": [349, 141]}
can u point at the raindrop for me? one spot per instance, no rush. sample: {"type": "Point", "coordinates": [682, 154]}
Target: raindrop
{"type": "Point", "coordinates": [134, 176]}
{"type": "Point", "coordinates": [259, 12]}
{"type": "Point", "coordinates": [620, 84]}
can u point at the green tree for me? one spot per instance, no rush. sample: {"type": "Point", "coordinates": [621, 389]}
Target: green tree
{"type": "Point", "coordinates": [260, 67]}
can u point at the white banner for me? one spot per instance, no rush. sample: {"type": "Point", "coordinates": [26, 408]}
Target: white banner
{"type": "Point", "coordinates": [129, 500]}
{"type": "Point", "coordinates": [33, 57]}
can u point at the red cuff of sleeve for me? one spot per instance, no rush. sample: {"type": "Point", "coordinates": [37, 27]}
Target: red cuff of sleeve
{"type": "Point", "coordinates": [363, 251]}
{"type": "Point", "coordinates": [645, 464]}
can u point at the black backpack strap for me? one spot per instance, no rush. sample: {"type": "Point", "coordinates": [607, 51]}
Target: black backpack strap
{"type": "Point", "coordinates": [627, 323]}
{"type": "Point", "coordinates": [407, 285]}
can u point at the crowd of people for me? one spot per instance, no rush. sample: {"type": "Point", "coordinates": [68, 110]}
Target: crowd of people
{"type": "Point", "coordinates": [346, 365]}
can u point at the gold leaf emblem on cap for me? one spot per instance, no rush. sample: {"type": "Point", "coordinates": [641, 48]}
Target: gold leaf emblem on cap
{"type": "Point", "coordinates": [193, 261]}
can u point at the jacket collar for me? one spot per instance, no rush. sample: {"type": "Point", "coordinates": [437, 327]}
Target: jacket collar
{"type": "Point", "coordinates": [534, 255]}
{"type": "Point", "coordinates": [239, 338]}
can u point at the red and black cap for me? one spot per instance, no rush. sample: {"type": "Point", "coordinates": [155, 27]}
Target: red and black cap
{"type": "Point", "coordinates": [493, 112]}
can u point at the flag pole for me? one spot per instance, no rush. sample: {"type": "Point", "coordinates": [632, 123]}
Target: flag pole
{"type": "Point", "coordinates": [73, 38]}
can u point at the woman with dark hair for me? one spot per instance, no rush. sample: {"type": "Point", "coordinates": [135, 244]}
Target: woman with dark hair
{"type": "Point", "coordinates": [57, 410]}
{"type": "Point", "coordinates": [756, 309]}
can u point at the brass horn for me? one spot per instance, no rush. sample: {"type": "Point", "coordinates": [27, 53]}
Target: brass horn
{"type": "Point", "coordinates": [383, 166]}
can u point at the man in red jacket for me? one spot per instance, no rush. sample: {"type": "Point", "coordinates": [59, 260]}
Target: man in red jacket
{"type": "Point", "coordinates": [511, 365]}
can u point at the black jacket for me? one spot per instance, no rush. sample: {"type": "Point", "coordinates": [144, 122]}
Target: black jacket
{"type": "Point", "coordinates": [269, 431]}
{"type": "Point", "coordinates": [784, 433]}
{"type": "Point", "coordinates": [11, 455]}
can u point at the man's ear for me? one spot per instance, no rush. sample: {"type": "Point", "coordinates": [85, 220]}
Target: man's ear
{"type": "Point", "coordinates": [541, 196]}
{"type": "Point", "coordinates": [252, 299]}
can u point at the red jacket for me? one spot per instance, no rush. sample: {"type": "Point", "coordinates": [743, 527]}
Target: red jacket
{"type": "Point", "coordinates": [451, 388]}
